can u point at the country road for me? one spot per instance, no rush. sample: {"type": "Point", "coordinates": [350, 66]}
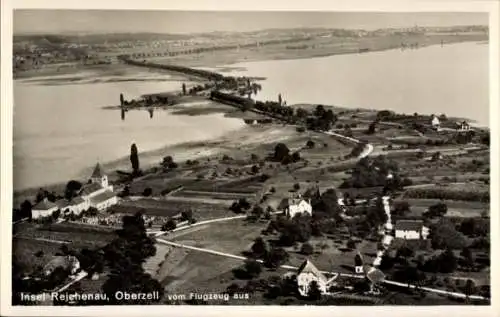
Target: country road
{"type": "Point", "coordinates": [157, 233]}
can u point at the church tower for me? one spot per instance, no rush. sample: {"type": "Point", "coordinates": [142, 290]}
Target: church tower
{"type": "Point", "coordinates": [98, 177]}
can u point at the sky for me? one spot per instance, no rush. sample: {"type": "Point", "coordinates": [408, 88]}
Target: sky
{"type": "Point", "coordinates": [133, 21]}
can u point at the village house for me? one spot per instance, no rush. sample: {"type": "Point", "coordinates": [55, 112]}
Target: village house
{"type": "Point", "coordinates": [436, 125]}
{"type": "Point", "coordinates": [98, 193]}
{"type": "Point", "coordinates": [308, 273]}
{"type": "Point", "coordinates": [69, 263]}
{"type": "Point", "coordinates": [43, 209]}
{"type": "Point", "coordinates": [376, 277]}
{"type": "Point", "coordinates": [75, 205]}
{"type": "Point", "coordinates": [296, 206]}
{"type": "Point", "coordinates": [387, 240]}
{"type": "Point", "coordinates": [411, 230]}
{"type": "Point", "coordinates": [378, 259]}
{"type": "Point", "coordinates": [462, 126]}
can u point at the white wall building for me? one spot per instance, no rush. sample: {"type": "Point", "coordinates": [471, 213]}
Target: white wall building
{"type": "Point", "coordinates": [98, 193]}
{"type": "Point", "coordinates": [387, 240]}
{"type": "Point", "coordinates": [411, 230]}
{"type": "Point", "coordinates": [43, 209]}
{"type": "Point", "coordinates": [306, 274]}
{"type": "Point", "coordinates": [298, 206]}
{"type": "Point", "coordinates": [435, 123]}
{"type": "Point", "coordinates": [463, 126]}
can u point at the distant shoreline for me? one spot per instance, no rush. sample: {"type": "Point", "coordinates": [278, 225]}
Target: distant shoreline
{"type": "Point", "coordinates": [225, 59]}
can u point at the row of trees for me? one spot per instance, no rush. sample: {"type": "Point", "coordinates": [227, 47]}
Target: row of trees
{"type": "Point", "coordinates": [273, 257]}
{"type": "Point", "coordinates": [446, 194]}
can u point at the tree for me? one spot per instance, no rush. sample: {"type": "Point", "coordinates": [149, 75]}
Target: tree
{"type": "Point", "coordinates": [307, 249]}
{"type": "Point", "coordinates": [296, 186]}
{"type": "Point", "coordinates": [400, 208]}
{"type": "Point", "coordinates": [187, 215]}
{"type": "Point", "coordinates": [72, 188]}
{"type": "Point", "coordinates": [444, 235]}
{"type": "Point", "coordinates": [468, 257]}
{"type": "Point", "coordinates": [319, 111]}
{"type": "Point", "coordinates": [245, 205]}
{"type": "Point", "coordinates": [438, 210]}
{"type": "Point", "coordinates": [40, 195]}
{"type": "Point", "coordinates": [447, 261]}
{"type": "Point", "coordinates": [169, 225]}
{"type": "Point", "coordinates": [255, 169]}
{"type": "Point", "coordinates": [351, 244]}
{"type": "Point", "coordinates": [314, 292]}
{"type": "Point", "coordinates": [26, 210]}
{"type": "Point", "coordinates": [259, 248]}
{"type": "Point", "coordinates": [371, 128]}
{"type": "Point", "coordinates": [125, 256]}
{"type": "Point", "coordinates": [275, 257]}
{"type": "Point", "coordinates": [257, 211]}
{"type": "Point", "coordinates": [310, 144]}
{"type": "Point", "coordinates": [183, 88]}
{"type": "Point", "coordinates": [281, 151]}
{"type": "Point", "coordinates": [253, 268]}
{"type": "Point", "coordinates": [168, 162]}
{"type": "Point", "coordinates": [147, 192]}
{"type": "Point", "coordinates": [121, 100]}
{"type": "Point", "coordinates": [134, 159]}
{"type": "Point", "coordinates": [405, 252]}
{"type": "Point", "coordinates": [469, 289]}
{"type": "Point", "coordinates": [328, 203]}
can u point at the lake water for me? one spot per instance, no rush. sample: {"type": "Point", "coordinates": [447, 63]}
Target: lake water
{"type": "Point", "coordinates": [61, 130]}
{"type": "Point", "coordinates": [452, 79]}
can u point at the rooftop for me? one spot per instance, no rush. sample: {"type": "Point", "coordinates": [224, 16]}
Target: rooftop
{"type": "Point", "coordinates": [97, 173]}
{"type": "Point", "coordinates": [90, 188]}
{"type": "Point", "coordinates": [375, 275]}
{"type": "Point", "coordinates": [409, 225]}
{"type": "Point", "coordinates": [102, 197]}
{"type": "Point", "coordinates": [308, 267]}
{"type": "Point", "coordinates": [44, 205]}
{"type": "Point", "coordinates": [66, 262]}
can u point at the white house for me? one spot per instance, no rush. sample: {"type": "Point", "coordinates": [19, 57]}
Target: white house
{"type": "Point", "coordinates": [435, 123]}
{"type": "Point", "coordinates": [463, 126]}
{"type": "Point", "coordinates": [425, 232]}
{"type": "Point", "coordinates": [98, 193]}
{"type": "Point", "coordinates": [387, 240]}
{"type": "Point", "coordinates": [307, 273]}
{"type": "Point", "coordinates": [411, 230]}
{"type": "Point", "coordinates": [43, 209]}
{"type": "Point", "coordinates": [298, 206]}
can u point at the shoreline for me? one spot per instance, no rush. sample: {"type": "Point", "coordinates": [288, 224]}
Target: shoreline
{"type": "Point", "coordinates": [196, 110]}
